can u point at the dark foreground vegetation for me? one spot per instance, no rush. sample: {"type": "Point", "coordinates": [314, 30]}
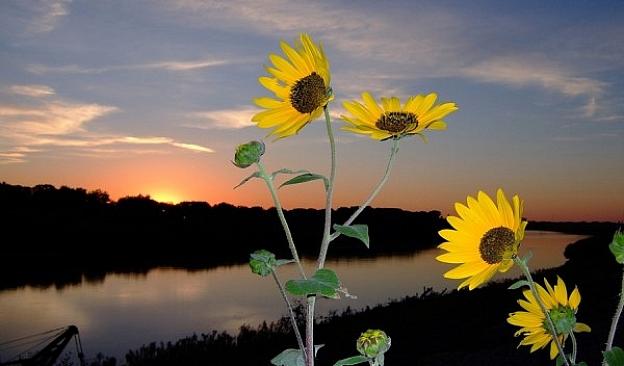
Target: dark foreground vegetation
{"type": "Point", "coordinates": [429, 329]}
{"type": "Point", "coordinates": [58, 236]}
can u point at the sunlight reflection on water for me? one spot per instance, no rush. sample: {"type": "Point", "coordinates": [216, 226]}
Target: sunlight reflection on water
{"type": "Point", "coordinates": [125, 310]}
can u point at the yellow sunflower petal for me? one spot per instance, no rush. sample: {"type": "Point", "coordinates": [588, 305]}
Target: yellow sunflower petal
{"type": "Point", "coordinates": [504, 209]}
{"type": "Point", "coordinates": [575, 299]}
{"type": "Point", "coordinates": [466, 270]}
{"type": "Point", "coordinates": [581, 327]}
{"type": "Point", "coordinates": [426, 104]}
{"type": "Point", "coordinates": [372, 105]}
{"type": "Point", "coordinates": [561, 293]}
{"type": "Point", "coordinates": [482, 277]}
{"type": "Point", "coordinates": [553, 350]}
{"type": "Point", "coordinates": [489, 209]}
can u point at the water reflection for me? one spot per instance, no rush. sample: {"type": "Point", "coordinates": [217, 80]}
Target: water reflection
{"type": "Point", "coordinates": [125, 311]}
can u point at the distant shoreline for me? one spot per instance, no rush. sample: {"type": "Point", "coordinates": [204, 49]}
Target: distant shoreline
{"type": "Point", "coordinates": [65, 235]}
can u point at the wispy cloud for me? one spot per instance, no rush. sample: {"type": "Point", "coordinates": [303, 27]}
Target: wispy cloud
{"type": "Point", "coordinates": [48, 13]}
{"type": "Point", "coordinates": [171, 65]}
{"type": "Point", "coordinates": [516, 71]}
{"type": "Point", "coordinates": [32, 90]}
{"type": "Point", "coordinates": [51, 118]}
{"type": "Point", "coordinates": [234, 118]}
{"type": "Point", "coordinates": [43, 124]}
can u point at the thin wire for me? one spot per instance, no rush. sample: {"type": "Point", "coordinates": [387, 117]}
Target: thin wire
{"type": "Point", "coordinates": [31, 336]}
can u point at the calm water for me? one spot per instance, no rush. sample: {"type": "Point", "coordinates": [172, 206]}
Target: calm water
{"type": "Point", "coordinates": [126, 311]}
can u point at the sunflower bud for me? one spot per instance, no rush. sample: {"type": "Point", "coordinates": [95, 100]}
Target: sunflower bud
{"type": "Point", "coordinates": [249, 153]}
{"type": "Point", "coordinates": [373, 343]}
{"type": "Point", "coordinates": [617, 246]}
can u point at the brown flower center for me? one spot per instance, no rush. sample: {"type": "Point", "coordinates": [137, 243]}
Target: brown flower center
{"type": "Point", "coordinates": [395, 122]}
{"type": "Point", "coordinates": [495, 243]}
{"type": "Point", "coordinates": [308, 93]}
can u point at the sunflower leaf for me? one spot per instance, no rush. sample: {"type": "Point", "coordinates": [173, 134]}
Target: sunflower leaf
{"type": "Point", "coordinates": [292, 357]}
{"type": "Point", "coordinates": [614, 357]}
{"type": "Point", "coordinates": [617, 246]}
{"type": "Point", "coordinates": [325, 282]}
{"type": "Point", "coordinates": [281, 262]}
{"type": "Point", "coordinates": [263, 263]}
{"type": "Point", "coordinates": [254, 175]}
{"type": "Point", "coordinates": [353, 360]}
{"type": "Point", "coordinates": [289, 357]}
{"type": "Point", "coordinates": [287, 171]}
{"type": "Point", "coordinates": [516, 285]}
{"type": "Point", "coordinates": [354, 231]}
{"type": "Point", "coordinates": [306, 177]}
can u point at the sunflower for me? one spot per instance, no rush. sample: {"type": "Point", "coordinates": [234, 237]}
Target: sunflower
{"type": "Point", "coordinates": [393, 120]}
{"type": "Point", "coordinates": [484, 240]}
{"type": "Point", "coordinates": [300, 84]}
{"type": "Point", "coordinates": [562, 310]}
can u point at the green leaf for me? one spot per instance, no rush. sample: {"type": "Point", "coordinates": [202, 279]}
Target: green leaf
{"type": "Point", "coordinates": [559, 361]}
{"type": "Point", "coordinates": [614, 357]}
{"type": "Point", "coordinates": [262, 262]}
{"type": "Point", "coordinates": [354, 360]}
{"type": "Point", "coordinates": [289, 357]}
{"type": "Point", "coordinates": [307, 177]}
{"type": "Point", "coordinates": [617, 246]}
{"type": "Point", "coordinates": [287, 171]}
{"type": "Point", "coordinates": [292, 357]}
{"type": "Point", "coordinates": [325, 282]}
{"type": "Point", "coordinates": [354, 231]}
{"type": "Point", "coordinates": [281, 262]}
{"type": "Point", "coordinates": [583, 363]}
{"type": "Point", "coordinates": [516, 285]}
{"type": "Point", "coordinates": [254, 175]}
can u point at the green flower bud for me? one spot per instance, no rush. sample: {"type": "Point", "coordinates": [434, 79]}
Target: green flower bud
{"type": "Point", "coordinates": [373, 343]}
{"type": "Point", "coordinates": [617, 246]}
{"type": "Point", "coordinates": [262, 262]}
{"type": "Point", "coordinates": [249, 153]}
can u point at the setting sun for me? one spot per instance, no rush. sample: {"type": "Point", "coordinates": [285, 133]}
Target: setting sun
{"type": "Point", "coordinates": [165, 196]}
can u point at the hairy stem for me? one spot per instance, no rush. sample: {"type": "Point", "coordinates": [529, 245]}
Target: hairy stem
{"type": "Point", "coordinates": [616, 318]}
{"type": "Point", "coordinates": [330, 192]}
{"type": "Point", "coordinates": [293, 318]}
{"type": "Point", "coordinates": [394, 148]}
{"type": "Point", "coordinates": [280, 213]}
{"type": "Point", "coordinates": [551, 326]}
{"type": "Point", "coordinates": [325, 241]}
{"type": "Point", "coordinates": [574, 347]}
{"type": "Point", "coordinates": [310, 331]}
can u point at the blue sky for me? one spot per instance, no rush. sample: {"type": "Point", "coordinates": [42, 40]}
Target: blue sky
{"type": "Point", "coordinates": [153, 96]}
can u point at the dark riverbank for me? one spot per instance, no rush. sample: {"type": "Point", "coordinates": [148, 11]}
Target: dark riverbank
{"type": "Point", "coordinates": [430, 329]}
{"type": "Point", "coordinates": [62, 236]}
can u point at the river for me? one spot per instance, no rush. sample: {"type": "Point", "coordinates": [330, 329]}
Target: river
{"type": "Point", "coordinates": [126, 311]}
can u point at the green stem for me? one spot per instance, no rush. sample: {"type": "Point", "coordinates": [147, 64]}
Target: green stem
{"type": "Point", "coordinates": [393, 152]}
{"type": "Point", "coordinates": [616, 318]}
{"type": "Point", "coordinates": [574, 347]}
{"type": "Point", "coordinates": [330, 192]}
{"type": "Point", "coordinates": [310, 331]}
{"type": "Point", "coordinates": [325, 241]}
{"type": "Point", "coordinates": [293, 318]}
{"type": "Point", "coordinates": [551, 326]}
{"type": "Point", "coordinates": [280, 213]}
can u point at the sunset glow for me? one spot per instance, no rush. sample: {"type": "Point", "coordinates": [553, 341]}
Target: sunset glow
{"type": "Point", "coordinates": [539, 98]}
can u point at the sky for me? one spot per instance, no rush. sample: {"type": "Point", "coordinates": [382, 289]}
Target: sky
{"type": "Point", "coordinates": [152, 97]}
